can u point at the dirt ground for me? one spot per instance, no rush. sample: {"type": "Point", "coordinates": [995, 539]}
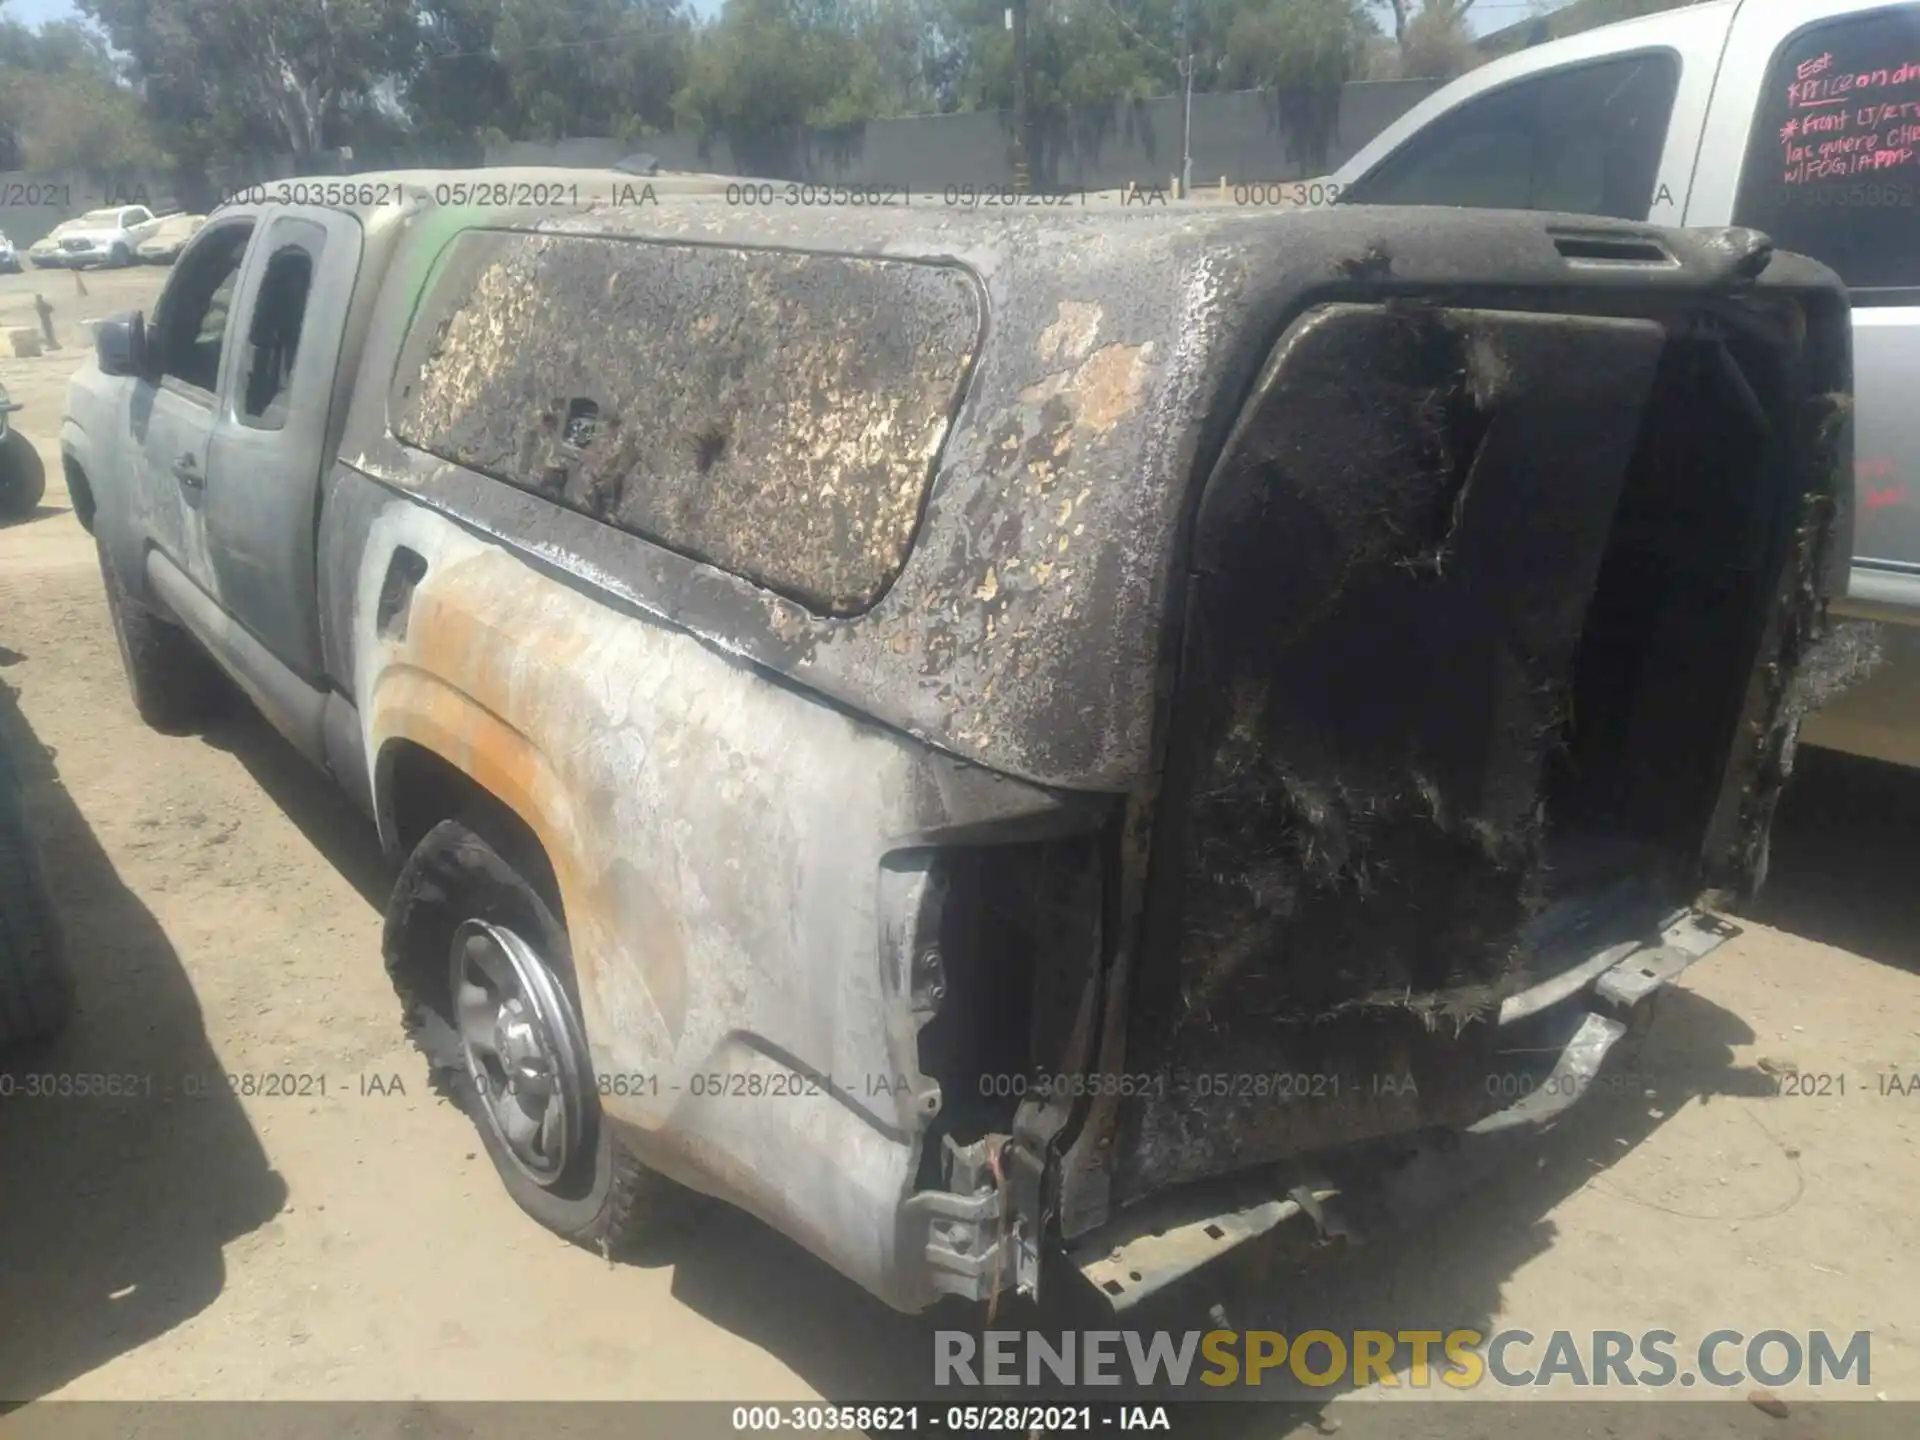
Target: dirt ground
{"type": "Point", "coordinates": [224, 905]}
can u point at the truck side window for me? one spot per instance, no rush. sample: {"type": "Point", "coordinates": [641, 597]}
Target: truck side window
{"type": "Point", "coordinates": [191, 318]}
{"type": "Point", "coordinates": [1833, 167]}
{"type": "Point", "coordinates": [1585, 139]}
{"type": "Point", "coordinates": [273, 336]}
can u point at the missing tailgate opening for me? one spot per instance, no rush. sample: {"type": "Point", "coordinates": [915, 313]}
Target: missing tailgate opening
{"type": "Point", "coordinates": [1674, 627]}
{"type": "Point", "coordinates": [1476, 606]}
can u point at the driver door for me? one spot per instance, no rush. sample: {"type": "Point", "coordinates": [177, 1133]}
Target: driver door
{"type": "Point", "coordinates": [173, 411]}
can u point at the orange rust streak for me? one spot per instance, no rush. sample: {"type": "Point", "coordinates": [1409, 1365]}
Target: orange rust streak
{"type": "Point", "coordinates": [463, 630]}
{"type": "Point", "coordinates": [414, 705]}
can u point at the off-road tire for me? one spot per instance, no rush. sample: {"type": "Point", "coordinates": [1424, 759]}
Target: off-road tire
{"type": "Point", "coordinates": [176, 686]}
{"type": "Point", "coordinates": [36, 987]}
{"type": "Point", "coordinates": [605, 1199]}
{"type": "Point", "coordinates": [23, 476]}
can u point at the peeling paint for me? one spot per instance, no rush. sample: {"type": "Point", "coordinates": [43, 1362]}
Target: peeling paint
{"type": "Point", "coordinates": [1071, 335]}
{"type": "Point", "coordinates": [1108, 387]}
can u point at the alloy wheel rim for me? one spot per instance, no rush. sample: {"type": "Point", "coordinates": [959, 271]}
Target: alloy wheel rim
{"type": "Point", "coordinates": [521, 1047]}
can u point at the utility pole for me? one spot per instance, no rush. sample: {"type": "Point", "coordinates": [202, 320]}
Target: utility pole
{"type": "Point", "coordinates": [1186, 117]}
{"type": "Point", "coordinates": [1022, 150]}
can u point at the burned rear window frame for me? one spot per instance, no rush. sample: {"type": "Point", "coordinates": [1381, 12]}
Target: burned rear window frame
{"type": "Point", "coordinates": [835, 562]}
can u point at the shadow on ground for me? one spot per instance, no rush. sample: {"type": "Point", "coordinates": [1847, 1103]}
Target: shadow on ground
{"type": "Point", "coordinates": [1447, 1245]}
{"type": "Point", "coordinates": [1846, 850]}
{"type": "Point", "coordinates": [343, 836]}
{"type": "Point", "coordinates": [113, 1210]}
{"type": "Point", "coordinates": [39, 512]}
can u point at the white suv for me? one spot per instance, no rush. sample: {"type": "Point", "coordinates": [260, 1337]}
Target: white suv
{"type": "Point", "coordinates": [99, 237]}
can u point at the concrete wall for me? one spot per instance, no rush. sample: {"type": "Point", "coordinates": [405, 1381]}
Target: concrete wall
{"type": "Point", "coordinates": [1244, 136]}
{"type": "Point", "coordinates": [33, 203]}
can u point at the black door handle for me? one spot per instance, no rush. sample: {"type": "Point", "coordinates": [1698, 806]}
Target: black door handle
{"type": "Point", "coordinates": [188, 473]}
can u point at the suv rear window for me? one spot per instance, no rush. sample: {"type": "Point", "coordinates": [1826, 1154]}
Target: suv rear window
{"type": "Point", "coordinates": [1585, 139]}
{"type": "Point", "coordinates": [1833, 168]}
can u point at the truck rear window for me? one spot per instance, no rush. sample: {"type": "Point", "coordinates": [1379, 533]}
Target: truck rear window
{"type": "Point", "coordinates": [774, 414]}
{"type": "Point", "coordinates": [1833, 168]}
{"type": "Point", "coordinates": [1583, 138]}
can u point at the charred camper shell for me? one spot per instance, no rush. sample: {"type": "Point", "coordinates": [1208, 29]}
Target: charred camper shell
{"type": "Point", "coordinates": [1327, 632]}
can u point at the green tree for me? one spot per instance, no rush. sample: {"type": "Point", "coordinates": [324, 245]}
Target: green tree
{"type": "Point", "coordinates": [591, 67]}
{"type": "Point", "coordinates": [458, 87]}
{"type": "Point", "coordinates": [1081, 54]}
{"type": "Point", "coordinates": [766, 68]}
{"type": "Point", "coordinates": [1315, 45]}
{"type": "Point", "coordinates": [1304, 51]}
{"type": "Point", "coordinates": [63, 104]}
{"type": "Point", "coordinates": [1436, 40]}
{"type": "Point", "coordinates": [232, 74]}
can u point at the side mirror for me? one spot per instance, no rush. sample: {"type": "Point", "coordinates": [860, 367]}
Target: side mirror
{"type": "Point", "coordinates": [120, 344]}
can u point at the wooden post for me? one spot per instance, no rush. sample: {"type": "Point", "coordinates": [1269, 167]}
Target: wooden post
{"type": "Point", "coordinates": [45, 312]}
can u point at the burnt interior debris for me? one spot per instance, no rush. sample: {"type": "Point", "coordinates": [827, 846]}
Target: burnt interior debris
{"type": "Point", "coordinates": [1474, 605]}
{"type": "Point", "coordinates": [1019, 938]}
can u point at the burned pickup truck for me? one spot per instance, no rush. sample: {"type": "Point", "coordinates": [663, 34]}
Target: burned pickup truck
{"type": "Point", "coordinates": [952, 732]}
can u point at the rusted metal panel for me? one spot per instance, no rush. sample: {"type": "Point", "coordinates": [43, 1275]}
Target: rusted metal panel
{"type": "Point", "coordinates": [718, 843]}
{"type": "Point", "coordinates": [775, 414]}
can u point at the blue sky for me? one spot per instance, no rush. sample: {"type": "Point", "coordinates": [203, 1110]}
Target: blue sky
{"type": "Point", "coordinates": [1486, 14]}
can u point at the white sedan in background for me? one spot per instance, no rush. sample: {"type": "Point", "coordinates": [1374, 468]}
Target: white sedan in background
{"type": "Point", "coordinates": [169, 238]}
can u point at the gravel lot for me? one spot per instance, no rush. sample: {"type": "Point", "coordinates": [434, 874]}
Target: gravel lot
{"type": "Point", "coordinates": [224, 912]}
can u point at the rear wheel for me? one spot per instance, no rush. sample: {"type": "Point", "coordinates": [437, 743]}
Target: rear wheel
{"type": "Point", "coordinates": [176, 686]}
{"type": "Point", "coordinates": [23, 476]}
{"type": "Point", "coordinates": [122, 257]}
{"type": "Point", "coordinates": [482, 959]}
